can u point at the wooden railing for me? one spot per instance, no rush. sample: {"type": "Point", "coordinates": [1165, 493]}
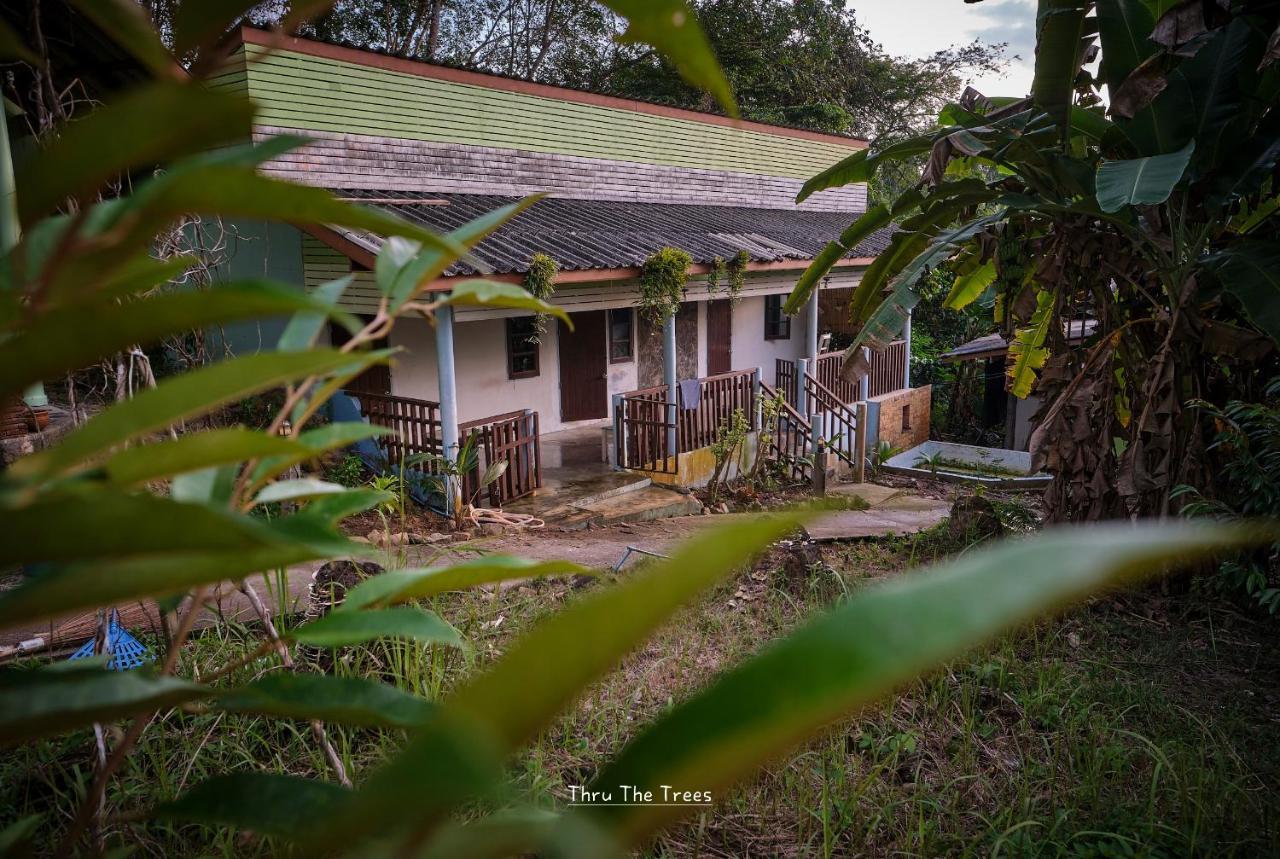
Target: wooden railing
{"type": "Point", "coordinates": [786, 378]}
{"type": "Point", "coordinates": [791, 444]}
{"type": "Point", "coordinates": [888, 373]}
{"type": "Point", "coordinates": [416, 428]}
{"type": "Point", "coordinates": [511, 438]}
{"type": "Point", "coordinates": [888, 369]}
{"type": "Point", "coordinates": [839, 427]}
{"type": "Point", "coordinates": [644, 415]}
{"type": "Point", "coordinates": [827, 372]}
{"type": "Point", "coordinates": [642, 427]}
{"type": "Point", "coordinates": [415, 424]}
{"type": "Point", "coordinates": [718, 398]}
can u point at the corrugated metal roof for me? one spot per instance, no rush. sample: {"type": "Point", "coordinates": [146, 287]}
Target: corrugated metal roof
{"type": "Point", "coordinates": [599, 234]}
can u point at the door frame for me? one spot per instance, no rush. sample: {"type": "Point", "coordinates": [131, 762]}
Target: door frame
{"type": "Point", "coordinates": [598, 356]}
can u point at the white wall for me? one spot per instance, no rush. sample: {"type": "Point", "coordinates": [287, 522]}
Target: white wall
{"type": "Point", "coordinates": [750, 349]}
{"type": "Point", "coordinates": [480, 362]}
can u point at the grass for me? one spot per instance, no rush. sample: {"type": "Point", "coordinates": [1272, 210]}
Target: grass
{"type": "Point", "coordinates": [1140, 725]}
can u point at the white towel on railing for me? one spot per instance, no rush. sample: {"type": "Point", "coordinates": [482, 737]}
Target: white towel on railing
{"type": "Point", "coordinates": [690, 393]}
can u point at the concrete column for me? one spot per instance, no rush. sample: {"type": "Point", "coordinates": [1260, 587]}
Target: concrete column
{"type": "Point", "coordinates": [811, 326]}
{"type": "Point", "coordinates": [619, 433]}
{"type": "Point", "coordinates": [669, 379]}
{"type": "Point", "coordinates": [906, 335]}
{"type": "Point", "coordinates": [757, 397]}
{"type": "Point", "coordinates": [448, 383]}
{"type": "Point", "coordinates": [802, 396]}
{"type": "Point", "coordinates": [864, 384]}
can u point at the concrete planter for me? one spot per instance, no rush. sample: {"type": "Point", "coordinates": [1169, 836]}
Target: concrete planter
{"type": "Point", "coordinates": [964, 463]}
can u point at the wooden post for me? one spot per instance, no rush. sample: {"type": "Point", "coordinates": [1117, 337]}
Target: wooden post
{"type": "Point", "coordinates": [818, 450]}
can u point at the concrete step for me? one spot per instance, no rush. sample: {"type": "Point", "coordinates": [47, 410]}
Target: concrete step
{"type": "Point", "coordinates": [644, 504]}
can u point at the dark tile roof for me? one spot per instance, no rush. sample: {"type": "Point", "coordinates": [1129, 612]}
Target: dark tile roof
{"type": "Point", "coordinates": [598, 234]}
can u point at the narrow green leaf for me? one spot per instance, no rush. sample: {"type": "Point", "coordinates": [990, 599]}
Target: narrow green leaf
{"type": "Point", "coordinates": [882, 638]}
{"type": "Point", "coordinates": [267, 803]}
{"type": "Point", "coordinates": [238, 190]}
{"type": "Point", "coordinates": [305, 326]}
{"type": "Point", "coordinates": [315, 442]}
{"type": "Point", "coordinates": [147, 126]}
{"type": "Point", "coordinates": [542, 672]}
{"type": "Point", "coordinates": [489, 293]}
{"type": "Point", "coordinates": [397, 586]}
{"type": "Point", "coordinates": [672, 28]}
{"type": "Point", "coordinates": [408, 268]}
{"type": "Point", "coordinates": [298, 489]}
{"type": "Point", "coordinates": [346, 700]}
{"type": "Point", "coordinates": [809, 278]}
{"type": "Point", "coordinates": [861, 165]}
{"type": "Point", "coordinates": [968, 287]}
{"type": "Point", "coordinates": [110, 524]}
{"type": "Point", "coordinates": [212, 486]}
{"type": "Point", "coordinates": [71, 338]}
{"type": "Point", "coordinates": [129, 547]}
{"type": "Point", "coordinates": [868, 222]}
{"type": "Point", "coordinates": [190, 394]}
{"type": "Point", "coordinates": [195, 451]}
{"type": "Point", "coordinates": [331, 509]}
{"type": "Point", "coordinates": [343, 628]}
{"type": "Point", "coordinates": [1141, 181]}
{"type": "Point", "coordinates": [42, 703]}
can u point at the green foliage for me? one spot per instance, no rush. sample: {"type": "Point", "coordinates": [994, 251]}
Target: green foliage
{"type": "Point", "coordinates": [662, 279]}
{"type": "Point", "coordinates": [731, 435]}
{"type": "Point", "coordinates": [540, 282]}
{"type": "Point", "coordinates": [1247, 453]}
{"type": "Point", "coordinates": [737, 272]}
{"type": "Point", "coordinates": [348, 471]}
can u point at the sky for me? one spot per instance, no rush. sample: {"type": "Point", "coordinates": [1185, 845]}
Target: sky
{"type": "Point", "coordinates": [917, 28]}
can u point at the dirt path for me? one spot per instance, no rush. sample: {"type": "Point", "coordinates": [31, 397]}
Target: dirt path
{"type": "Point", "coordinates": [599, 548]}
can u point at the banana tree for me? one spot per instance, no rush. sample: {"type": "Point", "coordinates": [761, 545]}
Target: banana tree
{"type": "Point", "coordinates": [1144, 222]}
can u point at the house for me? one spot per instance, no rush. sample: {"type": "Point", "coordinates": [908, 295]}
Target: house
{"type": "Point", "coordinates": [624, 178]}
{"type": "Point", "coordinates": [999, 406]}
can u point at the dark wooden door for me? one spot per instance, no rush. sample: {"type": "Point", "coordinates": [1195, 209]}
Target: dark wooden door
{"type": "Point", "coordinates": [584, 387]}
{"type": "Point", "coordinates": [719, 337]}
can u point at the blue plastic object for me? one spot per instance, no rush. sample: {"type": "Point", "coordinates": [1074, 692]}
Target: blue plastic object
{"type": "Point", "coordinates": [126, 651]}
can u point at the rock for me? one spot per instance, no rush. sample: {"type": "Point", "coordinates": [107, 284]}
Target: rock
{"type": "Point", "coordinates": [436, 537]}
{"type": "Point", "coordinates": [376, 537]}
{"type": "Point", "coordinates": [706, 511]}
{"type": "Point", "coordinates": [493, 529]}
{"type": "Point", "coordinates": [358, 539]}
{"type": "Point", "coordinates": [460, 536]}
{"type": "Point", "coordinates": [331, 582]}
{"type": "Point", "coordinates": [975, 516]}
{"type": "Point", "coordinates": [722, 507]}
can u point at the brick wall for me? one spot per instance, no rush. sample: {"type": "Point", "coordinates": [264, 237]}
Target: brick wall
{"type": "Point", "coordinates": [903, 416]}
